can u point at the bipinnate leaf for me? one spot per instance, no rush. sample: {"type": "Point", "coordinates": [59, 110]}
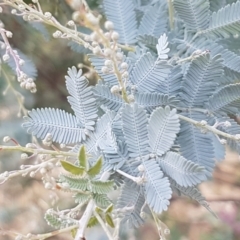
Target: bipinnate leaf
{"type": "Point", "coordinates": [162, 130]}
{"type": "Point", "coordinates": [69, 167]}
{"type": "Point", "coordinates": [157, 188]}
{"type": "Point", "coordinates": [185, 173]}
{"type": "Point", "coordinates": [96, 168]}
{"type": "Point", "coordinates": [82, 158]}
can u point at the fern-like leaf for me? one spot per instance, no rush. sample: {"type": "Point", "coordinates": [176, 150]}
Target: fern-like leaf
{"type": "Point", "coordinates": [101, 187]}
{"type": "Point", "coordinates": [226, 99]}
{"type": "Point", "coordinates": [195, 145]}
{"type": "Point", "coordinates": [162, 130]}
{"type": "Point", "coordinates": [81, 100]}
{"type": "Point", "coordinates": [134, 120]}
{"type": "Point", "coordinates": [194, 194]}
{"type": "Point", "coordinates": [63, 126]}
{"type": "Point", "coordinates": [157, 188]}
{"type": "Point", "coordinates": [195, 14]}
{"type": "Point", "coordinates": [184, 172]}
{"type": "Point", "coordinates": [82, 198]}
{"type": "Point", "coordinates": [151, 101]}
{"type": "Point", "coordinates": [53, 220]}
{"type": "Point", "coordinates": [225, 22]}
{"type": "Point", "coordinates": [101, 200]}
{"type": "Point", "coordinates": [122, 14]}
{"type": "Point", "coordinates": [108, 99]}
{"type": "Point", "coordinates": [132, 199]}
{"type": "Point", "coordinates": [154, 21]}
{"type": "Point", "coordinates": [75, 183]}
{"type": "Point", "coordinates": [201, 80]}
{"type": "Point", "coordinates": [150, 74]}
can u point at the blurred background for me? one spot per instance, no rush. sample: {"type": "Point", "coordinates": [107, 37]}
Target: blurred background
{"type": "Point", "coordinates": [23, 201]}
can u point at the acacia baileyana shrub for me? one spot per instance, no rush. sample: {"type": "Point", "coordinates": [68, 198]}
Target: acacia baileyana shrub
{"type": "Point", "coordinates": [158, 118]}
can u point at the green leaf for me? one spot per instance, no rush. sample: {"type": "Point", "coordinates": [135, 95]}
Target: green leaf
{"type": "Point", "coordinates": [81, 198]}
{"type": "Point", "coordinates": [74, 232]}
{"type": "Point", "coordinates": [92, 222]}
{"type": "Point", "coordinates": [101, 200]}
{"type": "Point", "coordinates": [52, 220]}
{"type": "Point", "coordinates": [83, 158]}
{"type": "Point", "coordinates": [101, 187]}
{"type": "Point", "coordinates": [109, 209]}
{"type": "Point", "coordinates": [109, 220]}
{"type": "Point", "coordinates": [72, 168]}
{"type": "Point", "coordinates": [75, 183]}
{"type": "Point", "coordinates": [96, 168]}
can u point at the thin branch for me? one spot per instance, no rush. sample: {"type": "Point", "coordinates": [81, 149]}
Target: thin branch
{"type": "Point", "coordinates": [209, 128]}
{"type": "Point", "coordinates": [102, 223]}
{"type": "Point", "coordinates": [83, 222]}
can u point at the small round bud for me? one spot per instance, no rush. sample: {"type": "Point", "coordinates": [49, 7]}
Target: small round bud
{"type": "Point", "coordinates": [115, 89]}
{"type": "Point", "coordinates": [119, 56]}
{"type": "Point", "coordinates": [141, 168]}
{"type": "Point", "coordinates": [92, 19]}
{"type": "Point", "coordinates": [131, 98]}
{"type": "Point", "coordinates": [48, 185]}
{"type": "Point", "coordinates": [6, 57]}
{"type": "Point", "coordinates": [21, 7]}
{"type": "Point", "coordinates": [109, 25]}
{"type": "Point", "coordinates": [115, 36]}
{"type": "Point", "coordinates": [57, 34]}
{"type": "Point", "coordinates": [43, 171]}
{"type": "Point", "coordinates": [25, 17]}
{"type": "Point", "coordinates": [24, 156]}
{"type": "Point", "coordinates": [143, 215]}
{"type": "Point", "coordinates": [6, 139]}
{"type": "Point", "coordinates": [23, 84]}
{"type": "Point", "coordinates": [125, 75]}
{"type": "Point", "coordinates": [9, 34]}
{"type": "Point", "coordinates": [203, 123]}
{"type": "Point", "coordinates": [107, 52]}
{"type": "Point", "coordinates": [33, 90]}
{"type": "Point", "coordinates": [97, 50]}
{"type": "Point", "coordinates": [105, 70]}
{"type": "Point", "coordinates": [108, 63]}
{"type": "Point", "coordinates": [107, 35]}
{"type": "Point", "coordinates": [94, 37]}
{"type": "Point", "coordinates": [152, 155]}
{"type": "Point", "coordinates": [223, 141]}
{"type": "Point", "coordinates": [31, 145]}
{"type": "Point", "coordinates": [32, 174]}
{"type": "Point", "coordinates": [21, 62]}
{"type": "Point", "coordinates": [50, 166]}
{"type": "Point", "coordinates": [29, 235]}
{"type": "Point", "coordinates": [48, 15]}
{"type": "Point", "coordinates": [71, 23]}
{"type": "Point", "coordinates": [14, 11]}
{"type": "Point", "coordinates": [62, 145]}
{"type": "Point", "coordinates": [124, 65]}
{"type": "Point", "coordinates": [227, 124]}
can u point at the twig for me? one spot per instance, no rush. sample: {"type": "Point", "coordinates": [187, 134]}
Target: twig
{"type": "Point", "coordinates": [83, 222]}
{"type": "Point", "coordinates": [209, 128]}
{"type": "Point", "coordinates": [102, 223]}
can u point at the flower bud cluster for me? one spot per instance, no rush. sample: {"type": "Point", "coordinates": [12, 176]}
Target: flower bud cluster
{"type": "Point", "coordinates": [27, 83]}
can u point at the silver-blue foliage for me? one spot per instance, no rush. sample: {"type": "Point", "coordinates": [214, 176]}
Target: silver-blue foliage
{"type": "Point", "coordinates": [144, 138]}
